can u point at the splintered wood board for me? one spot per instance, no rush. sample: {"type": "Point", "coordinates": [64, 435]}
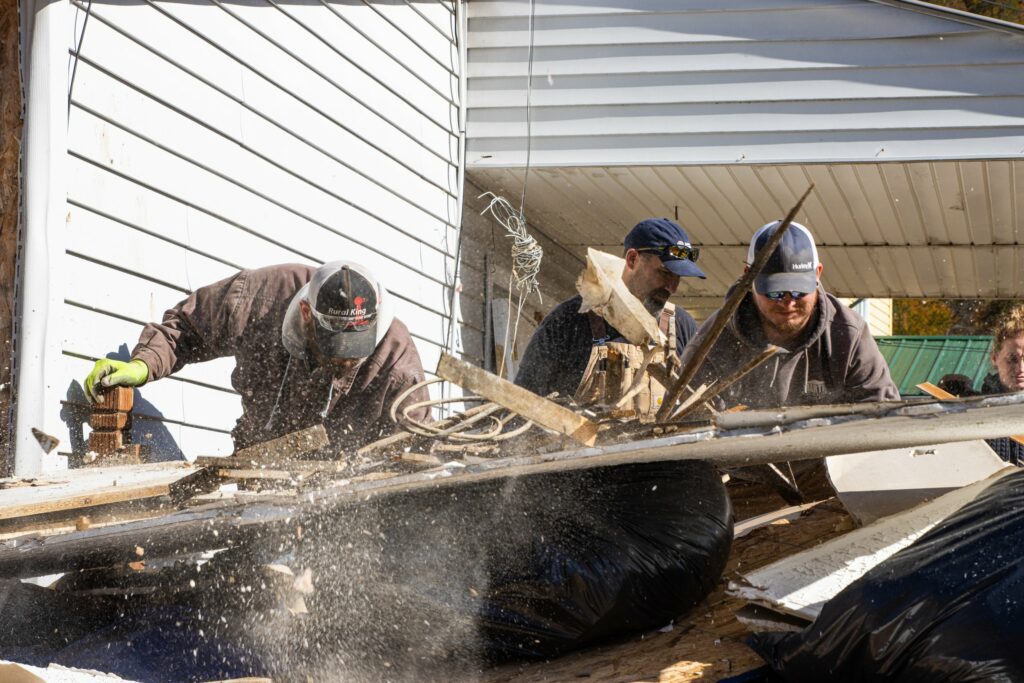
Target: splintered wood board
{"type": "Point", "coordinates": [90, 487]}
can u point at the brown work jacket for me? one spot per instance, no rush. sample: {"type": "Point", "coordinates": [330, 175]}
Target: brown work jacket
{"type": "Point", "coordinates": [241, 316]}
{"type": "Point", "coordinates": [837, 362]}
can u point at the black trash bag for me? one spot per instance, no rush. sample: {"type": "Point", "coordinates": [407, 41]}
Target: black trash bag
{"type": "Point", "coordinates": [545, 563]}
{"type": "Point", "coordinates": [949, 607]}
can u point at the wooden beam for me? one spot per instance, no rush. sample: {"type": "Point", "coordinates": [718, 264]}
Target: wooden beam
{"type": "Point", "coordinates": [10, 210]}
{"type": "Point", "coordinates": [943, 395]}
{"type": "Point", "coordinates": [517, 399]}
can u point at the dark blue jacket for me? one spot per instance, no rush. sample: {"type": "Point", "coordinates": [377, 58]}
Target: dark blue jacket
{"type": "Point", "coordinates": [557, 355]}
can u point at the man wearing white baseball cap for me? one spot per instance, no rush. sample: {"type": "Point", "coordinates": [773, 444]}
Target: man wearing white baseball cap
{"type": "Point", "coordinates": [311, 345]}
{"type": "Point", "coordinates": [828, 354]}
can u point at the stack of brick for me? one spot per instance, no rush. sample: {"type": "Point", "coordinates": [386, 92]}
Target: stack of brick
{"type": "Point", "coordinates": [111, 422]}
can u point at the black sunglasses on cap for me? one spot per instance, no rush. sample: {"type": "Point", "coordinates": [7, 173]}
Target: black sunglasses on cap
{"type": "Point", "coordinates": [779, 296]}
{"type": "Point", "coordinates": [679, 251]}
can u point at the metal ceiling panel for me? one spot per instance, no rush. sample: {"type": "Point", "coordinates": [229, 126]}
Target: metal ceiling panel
{"type": "Point", "coordinates": [924, 229]}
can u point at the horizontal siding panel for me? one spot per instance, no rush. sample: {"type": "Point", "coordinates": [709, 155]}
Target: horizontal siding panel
{"type": "Point", "coordinates": [398, 40]}
{"type": "Point", "coordinates": [480, 9]}
{"type": "Point", "coordinates": [401, 260]}
{"type": "Point", "coordinates": [396, 64]}
{"type": "Point", "coordinates": [748, 117]}
{"type": "Point", "coordinates": [854, 21]}
{"type": "Point", "coordinates": [284, 71]}
{"type": "Point", "coordinates": [412, 112]}
{"type": "Point", "coordinates": [95, 236]}
{"type": "Point", "coordinates": [788, 147]}
{"type": "Point", "coordinates": [751, 88]}
{"type": "Point", "coordinates": [976, 48]}
{"type": "Point", "coordinates": [146, 209]}
{"type": "Point", "coordinates": [269, 76]}
{"type": "Point", "coordinates": [214, 115]}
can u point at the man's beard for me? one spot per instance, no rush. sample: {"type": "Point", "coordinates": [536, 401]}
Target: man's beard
{"type": "Point", "coordinates": [654, 306]}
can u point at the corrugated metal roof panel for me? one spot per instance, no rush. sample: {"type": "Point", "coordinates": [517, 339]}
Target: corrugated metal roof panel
{"type": "Point", "coordinates": [913, 360]}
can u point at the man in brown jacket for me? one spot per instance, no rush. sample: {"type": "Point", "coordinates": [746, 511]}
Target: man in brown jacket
{"type": "Point", "coordinates": [828, 355]}
{"type": "Point", "coordinates": [311, 345]}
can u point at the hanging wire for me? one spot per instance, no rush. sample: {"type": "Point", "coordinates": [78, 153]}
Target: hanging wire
{"type": "Point", "coordinates": [78, 52]}
{"type": "Point", "coordinates": [526, 251]}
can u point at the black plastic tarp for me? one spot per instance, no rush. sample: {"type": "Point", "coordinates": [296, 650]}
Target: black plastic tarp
{"type": "Point", "coordinates": [950, 607]}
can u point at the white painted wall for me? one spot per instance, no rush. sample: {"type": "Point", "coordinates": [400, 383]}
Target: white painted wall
{"type": "Point", "coordinates": [204, 137]}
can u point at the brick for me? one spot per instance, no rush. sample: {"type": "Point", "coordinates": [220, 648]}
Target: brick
{"type": "Point", "coordinates": [106, 443]}
{"type": "Point", "coordinates": [116, 399]}
{"type": "Point", "coordinates": [110, 421]}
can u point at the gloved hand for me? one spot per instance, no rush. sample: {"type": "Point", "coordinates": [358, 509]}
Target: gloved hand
{"type": "Point", "coordinates": [112, 373]}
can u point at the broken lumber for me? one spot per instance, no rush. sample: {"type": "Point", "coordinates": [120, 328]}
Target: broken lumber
{"type": "Point", "coordinates": [275, 453]}
{"type": "Point", "coordinates": [221, 524]}
{"type": "Point", "coordinates": [517, 399]}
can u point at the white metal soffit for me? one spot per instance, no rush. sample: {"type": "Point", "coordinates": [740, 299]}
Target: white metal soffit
{"type": "Point", "coordinates": [909, 120]}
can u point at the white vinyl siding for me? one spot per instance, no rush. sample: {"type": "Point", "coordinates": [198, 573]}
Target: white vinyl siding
{"type": "Point", "coordinates": [205, 137]}
{"type": "Point", "coordinates": [737, 82]}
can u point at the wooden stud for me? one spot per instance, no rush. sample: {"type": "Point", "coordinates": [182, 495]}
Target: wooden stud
{"type": "Point", "coordinates": [517, 399]}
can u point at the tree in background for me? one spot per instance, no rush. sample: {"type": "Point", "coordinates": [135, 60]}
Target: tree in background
{"type": "Point", "coordinates": [1007, 10]}
{"type": "Point", "coordinates": [921, 317]}
{"type": "Point", "coordinates": [941, 317]}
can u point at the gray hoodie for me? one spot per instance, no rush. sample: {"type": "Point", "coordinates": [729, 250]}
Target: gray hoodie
{"type": "Point", "coordinates": [838, 362]}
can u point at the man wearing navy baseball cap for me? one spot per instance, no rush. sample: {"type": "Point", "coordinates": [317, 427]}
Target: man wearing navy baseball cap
{"type": "Point", "coordinates": [828, 355]}
{"type": "Point", "coordinates": [658, 253]}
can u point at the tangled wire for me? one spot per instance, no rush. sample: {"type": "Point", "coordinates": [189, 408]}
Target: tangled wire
{"type": "Point", "coordinates": [526, 252]}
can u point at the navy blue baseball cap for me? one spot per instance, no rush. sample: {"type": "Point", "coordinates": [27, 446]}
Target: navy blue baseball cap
{"type": "Point", "coordinates": [669, 241]}
{"type": "Point", "coordinates": [792, 267]}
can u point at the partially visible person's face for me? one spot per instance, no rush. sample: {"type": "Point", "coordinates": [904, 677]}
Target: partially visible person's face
{"type": "Point", "coordinates": [649, 280]}
{"type": "Point", "coordinates": [1009, 362]}
{"type": "Point", "coordinates": [786, 318]}
{"type": "Point", "coordinates": [338, 366]}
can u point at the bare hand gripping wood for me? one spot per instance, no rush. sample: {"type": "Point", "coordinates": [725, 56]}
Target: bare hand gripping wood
{"type": "Point", "coordinates": [522, 401]}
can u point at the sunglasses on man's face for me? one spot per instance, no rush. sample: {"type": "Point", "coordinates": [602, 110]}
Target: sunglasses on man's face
{"type": "Point", "coordinates": [683, 252]}
{"type": "Point", "coordinates": [779, 296]}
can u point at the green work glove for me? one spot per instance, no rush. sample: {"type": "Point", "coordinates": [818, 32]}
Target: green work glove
{"type": "Point", "coordinates": [113, 373]}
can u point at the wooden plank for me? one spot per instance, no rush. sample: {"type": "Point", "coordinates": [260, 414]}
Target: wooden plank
{"type": "Point", "coordinates": [273, 453]}
{"type": "Point", "coordinates": [10, 189]}
{"type": "Point", "coordinates": [86, 488]}
{"type": "Point", "coordinates": [526, 403]}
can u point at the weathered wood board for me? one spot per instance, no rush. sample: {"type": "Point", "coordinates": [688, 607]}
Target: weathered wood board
{"type": "Point", "coordinates": [519, 400]}
{"type": "Point", "coordinates": [91, 487]}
